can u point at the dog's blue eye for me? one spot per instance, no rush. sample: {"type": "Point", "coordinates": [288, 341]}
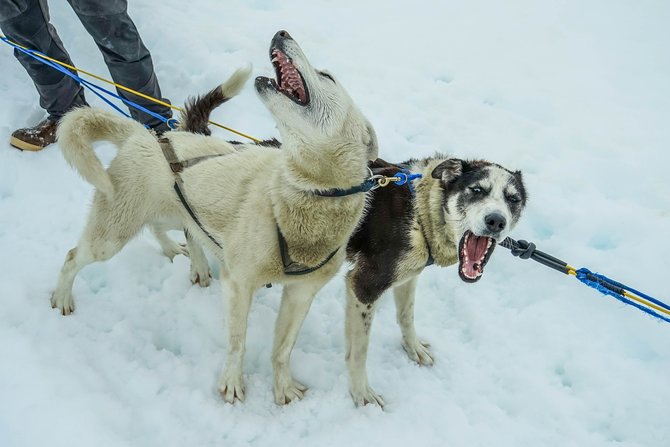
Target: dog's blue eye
{"type": "Point", "coordinates": [476, 189]}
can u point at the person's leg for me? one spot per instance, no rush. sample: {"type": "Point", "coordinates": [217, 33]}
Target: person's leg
{"type": "Point", "coordinates": [128, 60]}
{"type": "Point", "coordinates": [26, 22]}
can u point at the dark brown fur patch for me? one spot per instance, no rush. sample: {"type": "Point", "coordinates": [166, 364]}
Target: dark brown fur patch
{"type": "Point", "coordinates": [195, 117]}
{"type": "Point", "coordinates": [381, 237]}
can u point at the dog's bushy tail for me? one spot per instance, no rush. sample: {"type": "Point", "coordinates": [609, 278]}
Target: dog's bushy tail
{"type": "Point", "coordinates": [195, 116]}
{"type": "Point", "coordinates": [80, 128]}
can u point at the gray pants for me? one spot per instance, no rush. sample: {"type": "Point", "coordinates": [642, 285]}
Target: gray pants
{"type": "Point", "coordinates": [26, 22]}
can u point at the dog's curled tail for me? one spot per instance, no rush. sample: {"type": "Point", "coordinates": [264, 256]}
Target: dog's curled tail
{"type": "Point", "coordinates": [195, 116]}
{"type": "Point", "coordinates": [79, 129]}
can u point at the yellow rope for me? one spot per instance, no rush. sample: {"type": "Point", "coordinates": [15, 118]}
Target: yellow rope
{"type": "Point", "coordinates": [645, 302]}
{"type": "Point", "coordinates": [637, 299]}
{"type": "Point", "coordinates": [129, 90]}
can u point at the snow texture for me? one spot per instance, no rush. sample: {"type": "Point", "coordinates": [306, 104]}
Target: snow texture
{"type": "Point", "coordinates": [573, 93]}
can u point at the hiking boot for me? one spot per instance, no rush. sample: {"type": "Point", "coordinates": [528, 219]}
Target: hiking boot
{"type": "Point", "coordinates": [35, 138]}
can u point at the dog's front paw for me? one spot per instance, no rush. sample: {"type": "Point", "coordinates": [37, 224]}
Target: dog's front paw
{"type": "Point", "coordinates": [419, 352]}
{"type": "Point", "coordinates": [231, 387]}
{"type": "Point", "coordinates": [62, 302]}
{"type": "Point", "coordinates": [366, 395]}
{"type": "Point", "coordinates": [200, 272]}
{"type": "Point", "coordinates": [203, 279]}
{"type": "Point", "coordinates": [287, 390]}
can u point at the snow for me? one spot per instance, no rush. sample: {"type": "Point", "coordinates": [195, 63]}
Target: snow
{"type": "Point", "coordinates": [575, 94]}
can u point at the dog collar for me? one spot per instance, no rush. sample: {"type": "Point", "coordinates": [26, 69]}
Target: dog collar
{"type": "Point", "coordinates": [403, 177]}
{"type": "Point", "coordinates": [367, 185]}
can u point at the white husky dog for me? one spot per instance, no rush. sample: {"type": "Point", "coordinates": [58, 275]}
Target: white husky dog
{"type": "Point", "coordinates": [262, 211]}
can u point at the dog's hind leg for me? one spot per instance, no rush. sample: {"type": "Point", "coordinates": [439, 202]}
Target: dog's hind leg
{"type": "Point", "coordinates": [358, 322]}
{"type": "Point", "coordinates": [76, 259]}
{"type": "Point", "coordinates": [108, 229]}
{"type": "Point", "coordinates": [239, 295]}
{"type": "Point", "coordinates": [295, 303]}
{"type": "Point", "coordinates": [404, 302]}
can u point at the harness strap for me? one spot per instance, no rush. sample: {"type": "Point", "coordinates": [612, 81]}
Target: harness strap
{"type": "Point", "coordinates": [181, 165]}
{"type": "Point", "coordinates": [168, 152]}
{"type": "Point", "coordinates": [176, 166]}
{"type": "Point", "coordinates": [295, 268]}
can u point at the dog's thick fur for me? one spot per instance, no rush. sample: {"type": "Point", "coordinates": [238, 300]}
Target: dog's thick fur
{"type": "Point", "coordinates": [401, 231]}
{"type": "Point", "coordinates": [240, 199]}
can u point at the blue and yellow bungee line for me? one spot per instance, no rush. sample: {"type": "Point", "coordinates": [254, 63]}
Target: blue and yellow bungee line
{"type": "Point", "coordinates": [66, 69]}
{"type": "Point", "coordinates": [605, 285]}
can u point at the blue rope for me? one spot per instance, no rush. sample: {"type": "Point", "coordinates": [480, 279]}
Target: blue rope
{"type": "Point", "coordinates": [171, 122]}
{"type": "Point", "coordinates": [406, 178]}
{"type": "Point", "coordinates": [630, 289]}
{"type": "Point", "coordinates": [609, 287]}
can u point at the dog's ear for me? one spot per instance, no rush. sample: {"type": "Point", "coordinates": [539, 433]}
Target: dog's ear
{"type": "Point", "coordinates": [449, 169]}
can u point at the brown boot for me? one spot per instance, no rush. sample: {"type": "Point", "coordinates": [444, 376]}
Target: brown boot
{"type": "Point", "coordinates": [35, 138]}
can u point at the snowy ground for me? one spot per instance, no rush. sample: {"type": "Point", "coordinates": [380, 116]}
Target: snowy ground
{"type": "Point", "coordinates": [574, 93]}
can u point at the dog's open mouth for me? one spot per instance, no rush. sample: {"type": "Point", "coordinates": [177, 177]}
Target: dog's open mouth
{"type": "Point", "coordinates": [289, 80]}
{"type": "Point", "coordinates": [473, 254]}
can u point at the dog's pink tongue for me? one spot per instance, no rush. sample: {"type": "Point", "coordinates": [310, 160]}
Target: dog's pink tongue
{"type": "Point", "coordinates": [476, 247]}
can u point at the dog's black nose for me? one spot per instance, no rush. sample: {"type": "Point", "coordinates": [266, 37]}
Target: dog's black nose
{"type": "Point", "coordinates": [495, 222]}
{"type": "Point", "coordinates": [283, 34]}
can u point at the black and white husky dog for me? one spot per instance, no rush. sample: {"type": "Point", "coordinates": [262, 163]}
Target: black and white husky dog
{"type": "Point", "coordinates": [455, 213]}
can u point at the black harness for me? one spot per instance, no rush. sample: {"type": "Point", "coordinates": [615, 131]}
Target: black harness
{"type": "Point", "coordinates": [177, 167]}
{"type": "Point", "coordinates": [295, 268]}
{"type": "Point", "coordinates": [291, 267]}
